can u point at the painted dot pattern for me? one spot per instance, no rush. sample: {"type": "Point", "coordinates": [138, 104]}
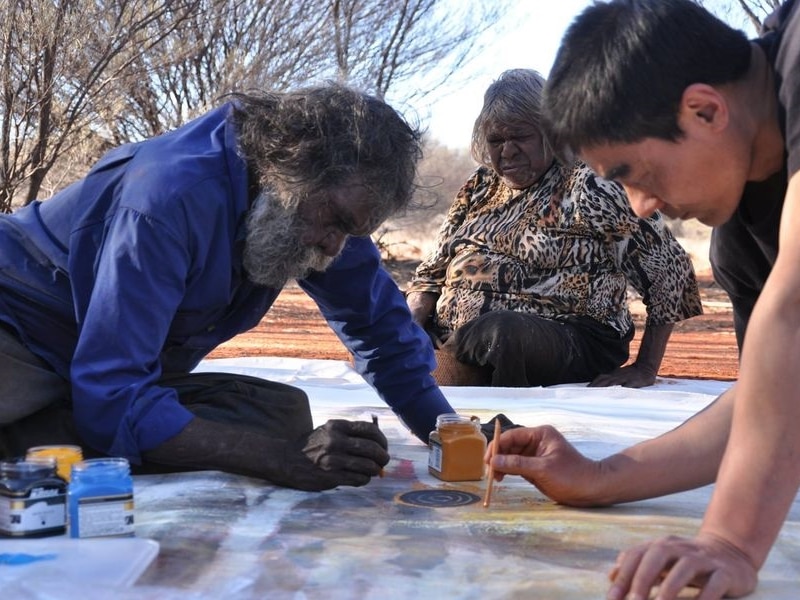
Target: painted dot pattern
{"type": "Point", "coordinates": [437, 498]}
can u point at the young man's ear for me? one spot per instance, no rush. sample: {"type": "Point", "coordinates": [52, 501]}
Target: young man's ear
{"type": "Point", "coordinates": [703, 106]}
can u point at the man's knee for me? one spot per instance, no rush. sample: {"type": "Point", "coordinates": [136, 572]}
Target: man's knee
{"type": "Point", "coordinates": [53, 425]}
{"type": "Point", "coordinates": [27, 384]}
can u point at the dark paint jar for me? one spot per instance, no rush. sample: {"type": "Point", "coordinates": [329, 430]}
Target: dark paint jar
{"type": "Point", "coordinates": [33, 499]}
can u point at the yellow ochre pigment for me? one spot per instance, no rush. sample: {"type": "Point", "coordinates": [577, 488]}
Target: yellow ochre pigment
{"type": "Point", "coordinates": [456, 448]}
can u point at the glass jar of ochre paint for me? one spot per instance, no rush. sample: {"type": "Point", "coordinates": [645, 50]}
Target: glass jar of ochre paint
{"type": "Point", "coordinates": [65, 456]}
{"type": "Point", "coordinates": [32, 498]}
{"type": "Point", "coordinates": [100, 498]}
{"type": "Point", "coordinates": [456, 448]}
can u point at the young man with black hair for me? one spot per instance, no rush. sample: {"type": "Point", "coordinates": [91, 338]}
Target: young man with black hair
{"type": "Point", "coordinates": [697, 122]}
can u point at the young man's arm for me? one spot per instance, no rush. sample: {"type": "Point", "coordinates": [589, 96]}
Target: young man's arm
{"type": "Point", "coordinates": [684, 458]}
{"type": "Point", "coordinates": [760, 472]}
{"type": "Point", "coordinates": [761, 469]}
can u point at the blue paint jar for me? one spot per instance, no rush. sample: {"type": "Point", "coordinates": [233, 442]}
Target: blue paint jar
{"type": "Point", "coordinates": [32, 498]}
{"type": "Point", "coordinates": [100, 498]}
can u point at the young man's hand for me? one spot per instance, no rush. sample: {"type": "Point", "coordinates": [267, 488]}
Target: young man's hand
{"type": "Point", "coordinates": [708, 562]}
{"type": "Point", "coordinates": [546, 459]}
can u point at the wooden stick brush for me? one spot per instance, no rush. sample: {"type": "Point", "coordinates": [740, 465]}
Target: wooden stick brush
{"type": "Point", "coordinates": [495, 441]}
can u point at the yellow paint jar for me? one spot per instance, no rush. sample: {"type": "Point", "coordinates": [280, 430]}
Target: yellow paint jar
{"type": "Point", "coordinates": [456, 448]}
{"type": "Point", "coordinates": [65, 457]}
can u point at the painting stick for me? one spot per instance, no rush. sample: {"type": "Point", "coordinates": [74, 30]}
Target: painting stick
{"type": "Point", "coordinates": [495, 442]}
{"type": "Point", "coordinates": [375, 422]}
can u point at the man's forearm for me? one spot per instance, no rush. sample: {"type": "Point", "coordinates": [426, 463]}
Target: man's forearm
{"type": "Point", "coordinates": [205, 444]}
{"type": "Point", "coordinates": [684, 458]}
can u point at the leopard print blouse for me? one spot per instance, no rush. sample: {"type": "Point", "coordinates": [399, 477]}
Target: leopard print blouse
{"type": "Point", "coordinates": [568, 245]}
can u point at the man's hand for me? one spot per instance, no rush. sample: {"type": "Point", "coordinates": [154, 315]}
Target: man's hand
{"type": "Point", "coordinates": [546, 459]}
{"type": "Point", "coordinates": [631, 376]}
{"type": "Point", "coordinates": [708, 562]}
{"type": "Point", "coordinates": [337, 453]}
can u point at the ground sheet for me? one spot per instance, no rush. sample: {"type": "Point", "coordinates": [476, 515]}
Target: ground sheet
{"type": "Point", "coordinates": [224, 536]}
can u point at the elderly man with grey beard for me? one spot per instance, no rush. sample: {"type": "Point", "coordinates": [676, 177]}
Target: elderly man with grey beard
{"type": "Point", "coordinates": [113, 290]}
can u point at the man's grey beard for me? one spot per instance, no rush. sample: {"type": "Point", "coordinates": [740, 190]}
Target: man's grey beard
{"type": "Point", "coordinates": [273, 252]}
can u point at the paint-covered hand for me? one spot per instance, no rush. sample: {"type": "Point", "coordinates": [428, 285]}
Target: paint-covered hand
{"type": "Point", "coordinates": [505, 424]}
{"type": "Point", "coordinates": [708, 562]}
{"type": "Point", "coordinates": [547, 460]}
{"type": "Point", "coordinates": [337, 453]}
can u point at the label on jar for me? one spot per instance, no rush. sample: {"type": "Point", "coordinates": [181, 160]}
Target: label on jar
{"type": "Point", "coordinates": [435, 455]}
{"type": "Point", "coordinates": [105, 515]}
{"type": "Point", "coordinates": [43, 511]}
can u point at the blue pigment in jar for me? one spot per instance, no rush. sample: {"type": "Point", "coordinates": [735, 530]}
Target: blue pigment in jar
{"type": "Point", "coordinates": [100, 498]}
{"type": "Point", "coordinates": [32, 498]}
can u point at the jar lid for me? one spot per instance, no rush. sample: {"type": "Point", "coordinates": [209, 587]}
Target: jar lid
{"type": "Point", "coordinates": [55, 450]}
{"type": "Point", "coordinates": [101, 463]}
{"type": "Point", "coordinates": [22, 468]}
{"type": "Point", "coordinates": [452, 418]}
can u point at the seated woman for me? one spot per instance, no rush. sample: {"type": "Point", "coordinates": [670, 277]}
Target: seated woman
{"type": "Point", "coordinates": [529, 278]}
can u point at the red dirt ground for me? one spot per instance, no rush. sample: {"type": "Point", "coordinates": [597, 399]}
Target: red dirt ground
{"type": "Point", "coordinates": [700, 348]}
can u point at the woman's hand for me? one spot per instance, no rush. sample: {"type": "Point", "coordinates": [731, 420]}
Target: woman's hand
{"type": "Point", "coordinates": [542, 456]}
{"type": "Point", "coordinates": [707, 562]}
{"type": "Point", "coordinates": [421, 305]}
{"type": "Point", "coordinates": [632, 376]}
{"type": "Point", "coordinates": [648, 360]}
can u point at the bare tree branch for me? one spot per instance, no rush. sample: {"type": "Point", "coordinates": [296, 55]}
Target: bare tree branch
{"type": "Point", "coordinates": [63, 56]}
{"type": "Point", "coordinates": [80, 76]}
{"type": "Point", "coordinates": [382, 44]}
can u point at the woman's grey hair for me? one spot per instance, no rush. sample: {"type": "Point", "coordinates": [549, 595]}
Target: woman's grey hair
{"type": "Point", "coordinates": [513, 100]}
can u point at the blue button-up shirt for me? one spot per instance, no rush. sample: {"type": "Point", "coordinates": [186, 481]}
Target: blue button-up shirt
{"type": "Point", "coordinates": [136, 270]}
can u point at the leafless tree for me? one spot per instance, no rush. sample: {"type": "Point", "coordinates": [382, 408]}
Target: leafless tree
{"type": "Point", "coordinates": [224, 45]}
{"type": "Point", "coordinates": [238, 44]}
{"type": "Point", "coordinates": [382, 43]}
{"type": "Point", "coordinates": [59, 60]}
{"type": "Point", "coordinates": [758, 10]}
{"type": "Point", "coordinates": [80, 76]}
{"type": "Point", "coordinates": [741, 12]}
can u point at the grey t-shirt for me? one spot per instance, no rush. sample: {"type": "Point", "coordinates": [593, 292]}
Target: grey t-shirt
{"type": "Point", "coordinates": [744, 249]}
